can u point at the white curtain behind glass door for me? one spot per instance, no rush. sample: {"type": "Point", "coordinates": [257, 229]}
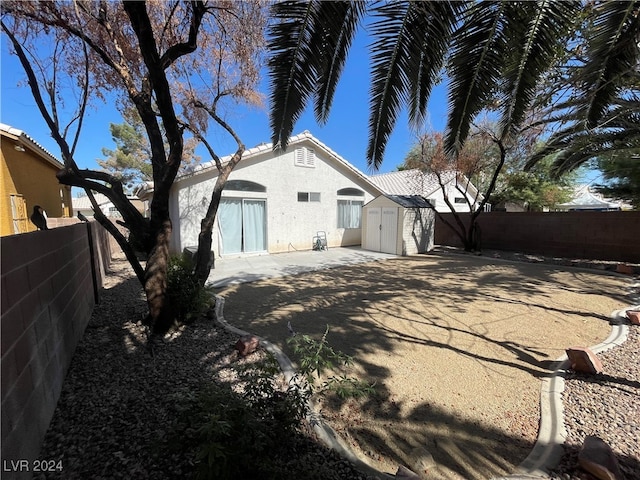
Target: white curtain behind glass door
{"type": "Point", "coordinates": [254, 226]}
{"type": "Point", "coordinates": [230, 219]}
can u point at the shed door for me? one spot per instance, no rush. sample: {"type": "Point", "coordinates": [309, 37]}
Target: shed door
{"type": "Point", "coordinates": [373, 229]}
{"type": "Point", "coordinates": [389, 230]}
{"type": "Point", "coordinates": [382, 229]}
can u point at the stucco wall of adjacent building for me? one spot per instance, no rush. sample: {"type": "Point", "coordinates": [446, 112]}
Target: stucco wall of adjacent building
{"type": "Point", "coordinates": [290, 224]}
{"type": "Point", "coordinates": [28, 175]}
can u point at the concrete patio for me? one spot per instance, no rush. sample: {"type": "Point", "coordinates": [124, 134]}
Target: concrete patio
{"type": "Point", "coordinates": [249, 268]}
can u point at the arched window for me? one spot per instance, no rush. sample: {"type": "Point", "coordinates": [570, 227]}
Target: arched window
{"type": "Point", "coordinates": [351, 192]}
{"type": "Point", "coordinates": [244, 186]}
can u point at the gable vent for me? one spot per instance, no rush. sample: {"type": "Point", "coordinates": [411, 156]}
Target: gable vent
{"type": "Point", "coordinates": [305, 157]}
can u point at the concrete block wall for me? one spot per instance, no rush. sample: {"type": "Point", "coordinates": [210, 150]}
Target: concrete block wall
{"type": "Point", "coordinates": [590, 235]}
{"type": "Point", "coordinates": [48, 293]}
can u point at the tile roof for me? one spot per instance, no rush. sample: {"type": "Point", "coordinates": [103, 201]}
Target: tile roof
{"type": "Point", "coordinates": [24, 139]}
{"type": "Point", "coordinates": [409, 182]}
{"type": "Point", "coordinates": [83, 203]}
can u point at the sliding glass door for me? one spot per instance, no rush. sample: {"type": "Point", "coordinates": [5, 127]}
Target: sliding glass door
{"type": "Point", "coordinates": [243, 225]}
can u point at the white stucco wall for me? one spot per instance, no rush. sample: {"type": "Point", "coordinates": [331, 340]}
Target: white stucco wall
{"type": "Point", "coordinates": [452, 193]}
{"type": "Point", "coordinates": [291, 225]}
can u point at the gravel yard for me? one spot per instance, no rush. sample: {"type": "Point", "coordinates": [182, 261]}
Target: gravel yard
{"type": "Point", "coordinates": [606, 405]}
{"type": "Point", "coordinates": [118, 402]}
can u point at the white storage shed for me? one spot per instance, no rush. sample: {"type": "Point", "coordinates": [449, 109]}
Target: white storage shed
{"type": "Point", "coordinates": [398, 224]}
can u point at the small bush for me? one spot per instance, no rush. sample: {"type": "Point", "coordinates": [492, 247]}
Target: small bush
{"type": "Point", "coordinates": [187, 297]}
{"type": "Point", "coordinates": [317, 358]}
{"type": "Point", "coordinates": [252, 434]}
{"type": "Point", "coordinates": [233, 435]}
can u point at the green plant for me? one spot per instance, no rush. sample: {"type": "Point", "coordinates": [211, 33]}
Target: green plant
{"type": "Point", "coordinates": [317, 358]}
{"type": "Point", "coordinates": [248, 431]}
{"type": "Point", "coordinates": [239, 435]}
{"type": "Point", "coordinates": [186, 296]}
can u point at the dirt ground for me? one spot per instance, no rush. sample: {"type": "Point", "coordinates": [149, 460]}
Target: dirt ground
{"type": "Point", "coordinates": [456, 346]}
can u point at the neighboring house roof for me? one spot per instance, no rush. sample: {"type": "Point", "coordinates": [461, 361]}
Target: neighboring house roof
{"type": "Point", "coordinates": [83, 203]}
{"type": "Point", "coordinates": [26, 141]}
{"type": "Point", "coordinates": [585, 199]}
{"type": "Point", "coordinates": [415, 182]}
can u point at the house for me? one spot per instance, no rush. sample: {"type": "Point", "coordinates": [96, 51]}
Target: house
{"type": "Point", "coordinates": [28, 179]}
{"type": "Point", "coordinates": [398, 224]}
{"type": "Point", "coordinates": [460, 191]}
{"type": "Point", "coordinates": [586, 199]}
{"type": "Point", "coordinates": [82, 204]}
{"type": "Point", "coordinates": [275, 201]}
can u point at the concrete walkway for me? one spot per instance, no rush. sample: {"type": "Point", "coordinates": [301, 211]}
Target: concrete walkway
{"type": "Point", "coordinates": [249, 268]}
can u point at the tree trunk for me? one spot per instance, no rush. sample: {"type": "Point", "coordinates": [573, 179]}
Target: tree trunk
{"type": "Point", "coordinates": [160, 317]}
{"type": "Point", "coordinates": [472, 242]}
{"type": "Point", "coordinates": [203, 258]}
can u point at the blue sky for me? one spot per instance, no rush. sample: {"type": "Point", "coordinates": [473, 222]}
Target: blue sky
{"type": "Point", "coordinates": [345, 132]}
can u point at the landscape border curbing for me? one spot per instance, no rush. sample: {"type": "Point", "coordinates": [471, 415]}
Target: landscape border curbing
{"type": "Point", "coordinates": [548, 449]}
{"type": "Point", "coordinates": [325, 433]}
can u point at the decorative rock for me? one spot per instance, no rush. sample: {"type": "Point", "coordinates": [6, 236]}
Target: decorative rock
{"type": "Point", "coordinates": [405, 473]}
{"type": "Point", "coordinates": [583, 360]}
{"type": "Point", "coordinates": [597, 458]}
{"type": "Point", "coordinates": [634, 316]}
{"type": "Point", "coordinates": [246, 345]}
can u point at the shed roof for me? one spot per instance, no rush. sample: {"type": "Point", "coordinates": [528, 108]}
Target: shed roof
{"type": "Point", "coordinates": [410, 201]}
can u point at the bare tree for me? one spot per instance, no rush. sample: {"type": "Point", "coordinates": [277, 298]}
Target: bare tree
{"type": "Point", "coordinates": [156, 57]}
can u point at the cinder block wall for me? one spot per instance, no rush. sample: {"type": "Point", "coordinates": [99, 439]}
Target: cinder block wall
{"type": "Point", "coordinates": [48, 293]}
{"type": "Point", "coordinates": [591, 235]}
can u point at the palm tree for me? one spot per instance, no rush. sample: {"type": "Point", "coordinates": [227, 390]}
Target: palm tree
{"type": "Point", "coordinates": [494, 53]}
{"type": "Point", "coordinates": [601, 117]}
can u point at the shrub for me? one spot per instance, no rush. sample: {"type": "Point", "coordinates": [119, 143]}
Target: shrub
{"type": "Point", "coordinates": [317, 358]}
{"type": "Point", "coordinates": [239, 435]}
{"type": "Point", "coordinates": [187, 297]}
{"type": "Point", "coordinates": [251, 432]}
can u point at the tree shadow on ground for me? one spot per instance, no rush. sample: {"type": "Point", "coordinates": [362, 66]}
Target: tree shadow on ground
{"type": "Point", "coordinates": [382, 312]}
{"type": "Point", "coordinates": [118, 402]}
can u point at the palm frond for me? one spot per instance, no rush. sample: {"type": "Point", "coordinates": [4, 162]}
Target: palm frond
{"type": "Point", "coordinates": [294, 63]}
{"type": "Point", "coordinates": [613, 51]}
{"type": "Point", "coordinates": [399, 33]}
{"type": "Point", "coordinates": [479, 46]}
{"type": "Point", "coordinates": [571, 147]}
{"type": "Point", "coordinates": [433, 34]}
{"type": "Point", "coordinates": [340, 22]}
{"type": "Point", "coordinates": [589, 147]}
{"type": "Point", "coordinates": [538, 29]}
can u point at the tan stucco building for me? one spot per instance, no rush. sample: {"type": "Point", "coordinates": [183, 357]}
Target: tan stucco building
{"type": "Point", "coordinates": [28, 178]}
